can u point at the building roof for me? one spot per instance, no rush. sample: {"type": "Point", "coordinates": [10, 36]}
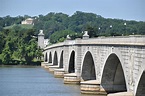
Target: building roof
{"type": "Point", "coordinates": [29, 19]}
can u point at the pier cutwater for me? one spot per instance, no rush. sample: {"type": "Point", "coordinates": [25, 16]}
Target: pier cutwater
{"type": "Point", "coordinates": [113, 66]}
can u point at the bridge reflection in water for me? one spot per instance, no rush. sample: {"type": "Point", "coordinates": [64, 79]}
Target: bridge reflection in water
{"type": "Point", "coordinates": [112, 66]}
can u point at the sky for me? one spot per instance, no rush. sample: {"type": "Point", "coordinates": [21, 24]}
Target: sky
{"type": "Point", "coordinates": [119, 9]}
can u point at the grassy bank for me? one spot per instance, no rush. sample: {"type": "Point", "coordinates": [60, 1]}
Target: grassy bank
{"type": "Point", "coordinates": [25, 26]}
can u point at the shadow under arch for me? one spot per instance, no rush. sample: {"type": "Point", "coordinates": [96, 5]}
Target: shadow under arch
{"type": "Point", "coordinates": [71, 68]}
{"type": "Point", "coordinates": [141, 86]}
{"type": "Point", "coordinates": [46, 57]}
{"type": "Point", "coordinates": [55, 59]}
{"type": "Point", "coordinates": [50, 58]}
{"type": "Point", "coordinates": [88, 68]}
{"type": "Point", "coordinates": [61, 60]}
{"type": "Point", "coordinates": [113, 79]}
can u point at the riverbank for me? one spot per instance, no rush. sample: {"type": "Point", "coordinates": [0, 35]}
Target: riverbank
{"type": "Point", "coordinates": [22, 63]}
{"type": "Point", "coordinates": [20, 66]}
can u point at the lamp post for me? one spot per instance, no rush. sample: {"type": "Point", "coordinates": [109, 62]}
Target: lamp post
{"type": "Point", "coordinates": [99, 31]}
{"type": "Point", "coordinates": [125, 29]}
{"type": "Point", "coordinates": [110, 26]}
{"type": "Point", "coordinates": [110, 30]}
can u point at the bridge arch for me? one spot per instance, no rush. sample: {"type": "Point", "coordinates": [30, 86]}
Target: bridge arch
{"type": "Point", "coordinates": [88, 67]}
{"type": "Point", "coordinates": [46, 57]}
{"type": "Point", "coordinates": [111, 72]}
{"type": "Point", "coordinates": [140, 85]}
{"type": "Point", "coordinates": [50, 58]}
{"type": "Point", "coordinates": [55, 59]}
{"type": "Point", "coordinates": [61, 60]}
{"type": "Point", "coordinates": [71, 68]}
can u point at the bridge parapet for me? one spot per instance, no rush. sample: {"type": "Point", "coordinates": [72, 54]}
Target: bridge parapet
{"type": "Point", "coordinates": [65, 43]}
{"type": "Point", "coordinates": [54, 45]}
{"type": "Point", "coordinates": [119, 40]}
{"type": "Point", "coordinates": [129, 40]}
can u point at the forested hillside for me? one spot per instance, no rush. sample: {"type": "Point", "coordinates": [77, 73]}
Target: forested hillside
{"type": "Point", "coordinates": [57, 25]}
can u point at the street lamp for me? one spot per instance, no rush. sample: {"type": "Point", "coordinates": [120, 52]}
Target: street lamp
{"type": "Point", "coordinates": [110, 30]}
{"type": "Point", "coordinates": [125, 29]}
{"type": "Point", "coordinates": [125, 23]}
{"type": "Point", "coordinates": [110, 26]}
{"type": "Point", "coordinates": [99, 30]}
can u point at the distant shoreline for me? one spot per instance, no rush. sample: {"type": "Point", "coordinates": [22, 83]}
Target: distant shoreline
{"type": "Point", "coordinates": [19, 66]}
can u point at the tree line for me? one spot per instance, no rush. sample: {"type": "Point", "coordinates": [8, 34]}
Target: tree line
{"type": "Point", "coordinates": [55, 24]}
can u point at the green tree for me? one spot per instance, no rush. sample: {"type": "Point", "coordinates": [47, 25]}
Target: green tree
{"type": "Point", "coordinates": [7, 54]}
{"type": "Point", "coordinates": [60, 36]}
{"type": "Point", "coordinates": [92, 31]}
{"type": "Point", "coordinates": [18, 43]}
{"type": "Point", "coordinates": [2, 42]}
{"type": "Point", "coordinates": [27, 47]}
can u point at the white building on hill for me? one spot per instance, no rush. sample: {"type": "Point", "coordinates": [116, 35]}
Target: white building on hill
{"type": "Point", "coordinates": [28, 21]}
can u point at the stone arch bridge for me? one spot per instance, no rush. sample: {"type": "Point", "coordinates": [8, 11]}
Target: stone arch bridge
{"type": "Point", "coordinates": [113, 66]}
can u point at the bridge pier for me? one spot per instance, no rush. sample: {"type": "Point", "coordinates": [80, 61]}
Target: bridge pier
{"type": "Point", "coordinates": [59, 73]}
{"type": "Point", "coordinates": [52, 68]}
{"type": "Point", "coordinates": [47, 65]}
{"type": "Point", "coordinates": [71, 78]}
{"type": "Point", "coordinates": [43, 64]}
{"type": "Point", "coordinates": [121, 94]}
{"type": "Point", "coordinates": [92, 87]}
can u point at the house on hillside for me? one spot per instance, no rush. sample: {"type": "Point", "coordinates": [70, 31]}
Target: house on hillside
{"type": "Point", "coordinates": [28, 21]}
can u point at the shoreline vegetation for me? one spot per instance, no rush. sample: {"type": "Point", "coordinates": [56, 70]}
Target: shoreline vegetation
{"type": "Point", "coordinates": [19, 66]}
{"type": "Point", "coordinates": [18, 46]}
{"type": "Point", "coordinates": [21, 63]}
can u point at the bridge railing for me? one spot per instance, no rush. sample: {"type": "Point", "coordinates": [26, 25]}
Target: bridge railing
{"type": "Point", "coordinates": [125, 40]}
{"type": "Point", "coordinates": [54, 45]}
{"type": "Point", "coordinates": [118, 40]}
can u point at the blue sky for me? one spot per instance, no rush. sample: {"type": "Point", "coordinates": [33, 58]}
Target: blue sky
{"type": "Point", "coordinates": [120, 9]}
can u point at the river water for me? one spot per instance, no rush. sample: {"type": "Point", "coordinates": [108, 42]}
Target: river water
{"type": "Point", "coordinates": [33, 81]}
